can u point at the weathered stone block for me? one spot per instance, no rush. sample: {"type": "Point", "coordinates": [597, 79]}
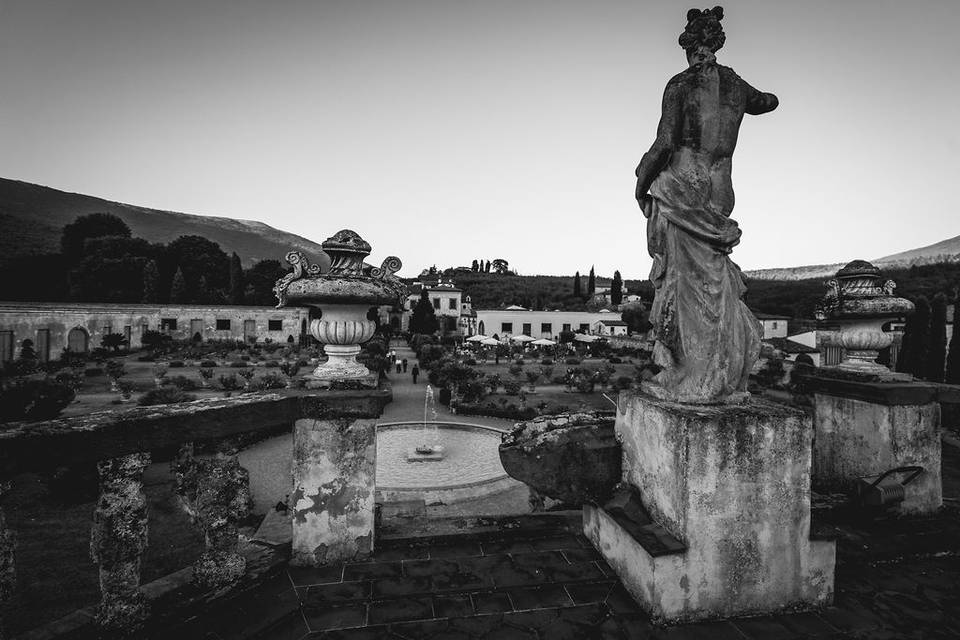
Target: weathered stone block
{"type": "Point", "coordinates": [570, 458]}
{"type": "Point", "coordinates": [334, 474]}
{"type": "Point", "coordinates": [857, 438]}
{"type": "Point", "coordinates": [732, 483]}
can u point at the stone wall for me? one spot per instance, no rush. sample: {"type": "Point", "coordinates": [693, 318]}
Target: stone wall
{"type": "Point", "coordinates": [51, 324]}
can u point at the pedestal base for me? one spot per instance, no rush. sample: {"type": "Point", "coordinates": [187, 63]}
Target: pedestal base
{"type": "Point", "coordinates": [341, 363]}
{"type": "Point", "coordinates": [433, 456]}
{"type": "Point", "coordinates": [856, 438]}
{"type": "Point", "coordinates": [732, 484]}
{"type": "Point", "coordinates": [334, 481]}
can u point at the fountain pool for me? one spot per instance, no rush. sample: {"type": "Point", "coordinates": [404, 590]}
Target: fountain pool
{"type": "Point", "coordinates": [470, 466]}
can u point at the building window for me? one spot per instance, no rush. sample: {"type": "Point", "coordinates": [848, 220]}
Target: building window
{"type": "Point", "coordinates": [506, 327]}
{"type": "Point", "coordinates": [527, 328]}
{"type": "Point", "coordinates": [566, 326]}
{"type": "Point", "coordinates": [223, 324]}
{"type": "Point", "coordinates": [453, 303]}
{"type": "Point", "coordinates": [585, 328]}
{"type": "Point", "coordinates": [546, 327]}
{"type": "Point", "coordinates": [168, 324]}
{"type": "Point", "coordinates": [436, 303]}
{"type": "Point", "coordinates": [275, 325]}
{"type": "Point", "coordinates": [107, 329]}
{"type": "Point", "coordinates": [774, 325]}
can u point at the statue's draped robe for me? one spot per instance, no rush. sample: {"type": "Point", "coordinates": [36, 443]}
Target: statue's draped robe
{"type": "Point", "coordinates": [707, 340]}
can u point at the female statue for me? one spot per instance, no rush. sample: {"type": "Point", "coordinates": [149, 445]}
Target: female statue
{"type": "Point", "coordinates": [706, 339]}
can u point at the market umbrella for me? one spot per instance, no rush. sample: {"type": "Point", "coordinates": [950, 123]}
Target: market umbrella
{"type": "Point", "coordinates": [490, 341]}
{"type": "Point", "coordinates": [522, 338]}
{"type": "Point", "coordinates": [477, 338]}
{"type": "Point", "coordinates": [582, 337]}
{"type": "Point", "coordinates": [543, 342]}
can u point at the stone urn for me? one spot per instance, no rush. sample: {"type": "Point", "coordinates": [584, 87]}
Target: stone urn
{"type": "Point", "coordinates": [342, 295]}
{"type": "Point", "coordinates": [860, 302]}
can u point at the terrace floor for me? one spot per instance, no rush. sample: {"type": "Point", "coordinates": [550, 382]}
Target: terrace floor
{"type": "Point", "coordinates": [536, 578]}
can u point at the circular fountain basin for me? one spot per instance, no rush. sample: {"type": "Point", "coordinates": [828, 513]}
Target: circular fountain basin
{"type": "Point", "coordinates": [470, 466]}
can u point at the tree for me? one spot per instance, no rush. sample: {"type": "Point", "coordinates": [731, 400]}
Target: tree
{"type": "Point", "coordinates": [260, 279]}
{"type": "Point", "coordinates": [475, 266]}
{"type": "Point", "coordinates": [94, 225]}
{"type": "Point", "coordinates": [591, 283]}
{"type": "Point", "coordinates": [486, 269]}
{"type": "Point", "coordinates": [151, 283]}
{"type": "Point", "coordinates": [423, 319]}
{"type": "Point", "coordinates": [236, 280]}
{"type": "Point", "coordinates": [577, 288]}
{"type": "Point", "coordinates": [953, 359]}
{"type": "Point", "coordinates": [937, 345]}
{"type": "Point", "coordinates": [916, 340]}
{"type": "Point", "coordinates": [636, 318]}
{"type": "Point", "coordinates": [178, 290]}
{"type": "Point", "coordinates": [197, 256]}
{"type": "Point", "coordinates": [616, 289]}
{"type": "Point", "coordinates": [113, 341]}
{"type": "Point", "coordinates": [500, 265]}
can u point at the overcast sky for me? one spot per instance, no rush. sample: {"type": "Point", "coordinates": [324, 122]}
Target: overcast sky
{"type": "Point", "coordinates": [449, 130]}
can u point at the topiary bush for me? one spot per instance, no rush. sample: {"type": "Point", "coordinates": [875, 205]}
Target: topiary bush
{"type": "Point", "coordinates": [208, 364]}
{"type": "Point", "coordinates": [572, 361]}
{"type": "Point", "coordinates": [181, 382]}
{"type": "Point", "coordinates": [93, 372]}
{"type": "Point", "coordinates": [176, 364]}
{"type": "Point", "coordinates": [239, 364]}
{"type": "Point", "coordinates": [165, 395]}
{"type": "Point", "coordinates": [269, 381]}
{"type": "Point", "coordinates": [34, 399]}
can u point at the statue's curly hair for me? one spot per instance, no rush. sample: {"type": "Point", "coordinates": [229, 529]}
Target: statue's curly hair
{"type": "Point", "coordinates": [703, 27]}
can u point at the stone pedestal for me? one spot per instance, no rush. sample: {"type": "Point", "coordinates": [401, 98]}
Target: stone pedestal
{"type": "Point", "coordinates": [334, 475]}
{"type": "Point", "coordinates": [732, 485]}
{"type": "Point", "coordinates": [863, 429]}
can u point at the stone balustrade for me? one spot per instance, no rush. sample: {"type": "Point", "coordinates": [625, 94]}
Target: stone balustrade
{"type": "Point", "coordinates": [213, 490]}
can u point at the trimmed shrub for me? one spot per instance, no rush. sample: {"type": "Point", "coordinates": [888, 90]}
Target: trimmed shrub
{"type": "Point", "coordinates": [229, 382]}
{"type": "Point", "coordinates": [240, 364]}
{"type": "Point", "coordinates": [269, 381]}
{"type": "Point", "coordinates": [34, 399]}
{"type": "Point", "coordinates": [572, 361]}
{"type": "Point", "coordinates": [504, 410]}
{"type": "Point", "coordinates": [511, 387]}
{"type": "Point", "coordinates": [165, 395]}
{"type": "Point", "coordinates": [271, 364]}
{"type": "Point", "coordinates": [624, 382]}
{"type": "Point", "coordinates": [208, 364]}
{"type": "Point", "coordinates": [470, 362]}
{"type": "Point", "coordinates": [181, 382]}
{"type": "Point", "coordinates": [614, 360]}
{"type": "Point", "coordinates": [146, 358]}
{"type": "Point", "coordinates": [93, 372]}
{"type": "Point", "coordinates": [546, 361]}
{"type": "Point", "coordinates": [176, 364]}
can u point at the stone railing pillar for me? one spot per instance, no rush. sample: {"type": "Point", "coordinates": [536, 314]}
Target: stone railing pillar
{"type": "Point", "coordinates": [334, 475]}
{"type": "Point", "coordinates": [216, 493]}
{"type": "Point", "coordinates": [118, 540]}
{"type": "Point", "coordinates": [8, 576]}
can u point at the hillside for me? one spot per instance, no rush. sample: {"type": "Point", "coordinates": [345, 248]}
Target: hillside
{"type": "Point", "coordinates": [943, 252]}
{"type": "Point", "coordinates": [32, 217]}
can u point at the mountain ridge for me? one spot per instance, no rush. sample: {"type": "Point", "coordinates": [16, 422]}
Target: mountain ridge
{"type": "Point", "coordinates": [34, 216]}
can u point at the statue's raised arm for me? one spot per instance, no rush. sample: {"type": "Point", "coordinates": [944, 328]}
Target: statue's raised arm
{"type": "Point", "coordinates": [706, 340]}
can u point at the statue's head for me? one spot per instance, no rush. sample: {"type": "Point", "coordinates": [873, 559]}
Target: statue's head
{"type": "Point", "coordinates": [704, 35]}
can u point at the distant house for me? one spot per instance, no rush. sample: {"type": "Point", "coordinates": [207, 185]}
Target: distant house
{"type": "Point", "coordinates": [515, 320]}
{"type": "Point", "coordinates": [774, 326]}
{"type": "Point", "coordinates": [610, 328]}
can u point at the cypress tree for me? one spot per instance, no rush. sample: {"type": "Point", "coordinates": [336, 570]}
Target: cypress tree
{"type": "Point", "coordinates": [423, 319]}
{"type": "Point", "coordinates": [576, 285]}
{"type": "Point", "coordinates": [953, 359]}
{"type": "Point", "coordinates": [151, 283]}
{"type": "Point", "coordinates": [475, 266]}
{"type": "Point", "coordinates": [591, 283]}
{"type": "Point", "coordinates": [178, 288]}
{"type": "Point", "coordinates": [236, 280]}
{"type": "Point", "coordinates": [916, 340]}
{"type": "Point", "coordinates": [937, 349]}
{"type": "Point", "coordinates": [616, 289]}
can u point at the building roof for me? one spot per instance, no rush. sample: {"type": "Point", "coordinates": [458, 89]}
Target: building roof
{"type": "Point", "coordinates": [769, 316]}
{"type": "Point", "coordinates": [789, 346]}
{"type": "Point", "coordinates": [613, 323]}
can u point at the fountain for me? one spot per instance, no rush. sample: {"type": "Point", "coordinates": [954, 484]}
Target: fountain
{"type": "Point", "coordinates": [429, 448]}
{"type": "Point", "coordinates": [343, 295]}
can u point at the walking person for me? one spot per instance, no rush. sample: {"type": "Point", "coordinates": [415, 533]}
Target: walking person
{"type": "Point", "coordinates": [415, 372]}
{"type": "Point", "coordinates": [404, 365]}
{"type": "Point", "coordinates": [398, 367]}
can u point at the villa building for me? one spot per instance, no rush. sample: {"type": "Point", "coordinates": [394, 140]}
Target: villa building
{"type": "Point", "coordinates": [516, 320]}
{"type": "Point", "coordinates": [54, 326]}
